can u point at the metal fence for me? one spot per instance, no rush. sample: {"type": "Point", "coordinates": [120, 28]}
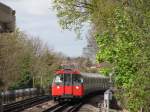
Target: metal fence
{"type": "Point", "coordinates": [7, 97]}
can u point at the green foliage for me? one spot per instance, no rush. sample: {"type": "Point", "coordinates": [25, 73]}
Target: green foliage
{"type": "Point", "coordinates": [123, 48]}
{"type": "Point", "coordinates": [72, 14]}
{"type": "Point", "coordinates": [25, 80]}
{"type": "Point", "coordinates": [118, 48]}
{"type": "Point", "coordinates": [105, 70]}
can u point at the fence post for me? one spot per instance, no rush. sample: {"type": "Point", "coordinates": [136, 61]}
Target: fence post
{"type": "Point", "coordinates": [1, 103]}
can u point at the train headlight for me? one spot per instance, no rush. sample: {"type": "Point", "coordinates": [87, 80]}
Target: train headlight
{"type": "Point", "coordinates": [77, 87]}
{"type": "Point", "coordinates": [58, 87]}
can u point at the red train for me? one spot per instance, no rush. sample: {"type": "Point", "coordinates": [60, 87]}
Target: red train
{"type": "Point", "coordinates": [71, 84]}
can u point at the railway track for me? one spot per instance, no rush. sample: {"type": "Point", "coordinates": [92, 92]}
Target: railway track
{"type": "Point", "coordinates": [56, 107]}
{"type": "Point", "coordinates": [72, 106]}
{"type": "Point", "coordinates": [65, 107]}
{"type": "Point", "coordinates": [21, 105]}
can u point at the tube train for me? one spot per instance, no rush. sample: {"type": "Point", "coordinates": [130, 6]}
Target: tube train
{"type": "Point", "coordinates": [69, 84]}
{"type": "Point", "coordinates": [7, 18]}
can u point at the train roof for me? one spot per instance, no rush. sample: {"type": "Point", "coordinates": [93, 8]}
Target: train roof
{"type": "Point", "coordinates": [67, 71]}
{"type": "Point", "coordinates": [74, 71]}
{"type": "Point", "coordinates": [95, 75]}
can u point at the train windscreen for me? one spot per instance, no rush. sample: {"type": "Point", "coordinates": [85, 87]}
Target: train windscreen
{"type": "Point", "coordinates": [77, 79]}
{"type": "Point", "coordinates": [58, 80]}
{"type": "Point", "coordinates": [68, 79]}
{"type": "Point", "coordinates": [63, 79]}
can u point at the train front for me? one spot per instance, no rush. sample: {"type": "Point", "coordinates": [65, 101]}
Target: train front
{"type": "Point", "coordinates": [67, 84]}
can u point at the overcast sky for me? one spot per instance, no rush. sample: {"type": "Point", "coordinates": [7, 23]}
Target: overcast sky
{"type": "Point", "coordinates": [37, 18]}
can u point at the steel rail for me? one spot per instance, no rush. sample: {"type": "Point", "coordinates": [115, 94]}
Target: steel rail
{"type": "Point", "coordinates": [75, 108]}
{"type": "Point", "coordinates": [21, 105]}
{"type": "Point", "coordinates": [64, 107]}
{"type": "Point", "coordinates": [57, 108]}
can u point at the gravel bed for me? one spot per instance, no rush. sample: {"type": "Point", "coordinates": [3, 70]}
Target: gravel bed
{"type": "Point", "coordinates": [40, 107]}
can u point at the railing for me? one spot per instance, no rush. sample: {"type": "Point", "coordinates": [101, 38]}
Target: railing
{"type": "Point", "coordinates": [18, 95]}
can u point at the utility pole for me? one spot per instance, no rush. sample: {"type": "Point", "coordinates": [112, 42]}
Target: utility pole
{"type": "Point", "coordinates": [110, 81]}
{"type": "Point", "coordinates": [41, 80]}
{"type": "Point", "coordinates": [33, 81]}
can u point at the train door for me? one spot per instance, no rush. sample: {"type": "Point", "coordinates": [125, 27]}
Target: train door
{"type": "Point", "coordinates": [68, 90]}
{"type": "Point", "coordinates": [57, 85]}
{"type": "Point", "coordinates": [77, 85]}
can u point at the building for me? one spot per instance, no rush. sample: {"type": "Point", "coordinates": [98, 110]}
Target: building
{"type": "Point", "coordinates": [7, 18]}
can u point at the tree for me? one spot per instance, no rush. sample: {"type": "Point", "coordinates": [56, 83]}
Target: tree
{"type": "Point", "coordinates": [73, 13]}
{"type": "Point", "coordinates": [25, 62]}
{"type": "Point", "coordinates": [122, 34]}
{"type": "Point", "coordinates": [123, 48]}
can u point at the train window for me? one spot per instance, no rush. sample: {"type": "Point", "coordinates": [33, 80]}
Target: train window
{"type": "Point", "coordinates": [68, 79]}
{"type": "Point", "coordinates": [58, 79]}
{"type": "Point", "coordinates": [81, 80]}
{"type": "Point", "coordinates": [77, 79]}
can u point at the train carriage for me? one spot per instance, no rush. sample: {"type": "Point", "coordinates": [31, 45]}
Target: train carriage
{"type": "Point", "coordinates": [94, 82]}
{"type": "Point", "coordinates": [73, 84]}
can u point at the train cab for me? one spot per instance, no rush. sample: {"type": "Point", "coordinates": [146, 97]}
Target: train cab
{"type": "Point", "coordinates": [67, 84]}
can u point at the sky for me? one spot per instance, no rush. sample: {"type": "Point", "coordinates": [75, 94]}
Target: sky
{"type": "Point", "coordinates": [37, 18]}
